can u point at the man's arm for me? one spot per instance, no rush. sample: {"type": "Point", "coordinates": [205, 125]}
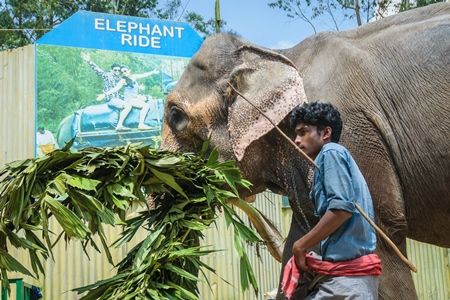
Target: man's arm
{"type": "Point", "coordinates": [87, 58]}
{"type": "Point", "coordinates": [139, 76]}
{"type": "Point", "coordinates": [111, 91]}
{"type": "Point", "coordinates": [328, 224]}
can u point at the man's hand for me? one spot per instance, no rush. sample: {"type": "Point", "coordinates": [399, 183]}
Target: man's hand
{"type": "Point", "coordinates": [300, 255]}
{"type": "Point", "coordinates": [100, 97]}
{"type": "Point", "coordinates": [328, 224]}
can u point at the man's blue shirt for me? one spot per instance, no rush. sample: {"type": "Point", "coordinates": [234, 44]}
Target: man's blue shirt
{"type": "Point", "coordinates": [336, 185]}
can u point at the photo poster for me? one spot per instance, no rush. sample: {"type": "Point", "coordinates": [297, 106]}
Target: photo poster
{"type": "Point", "coordinates": [95, 71]}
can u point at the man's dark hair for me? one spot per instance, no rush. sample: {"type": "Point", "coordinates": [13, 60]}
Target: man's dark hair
{"type": "Point", "coordinates": [41, 128]}
{"type": "Point", "coordinates": [114, 65]}
{"type": "Point", "coordinates": [318, 114]}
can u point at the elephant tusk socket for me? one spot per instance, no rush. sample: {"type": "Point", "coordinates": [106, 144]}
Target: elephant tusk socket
{"type": "Point", "coordinates": [387, 239]}
{"type": "Point", "coordinates": [277, 128]}
{"type": "Point", "coordinates": [268, 232]}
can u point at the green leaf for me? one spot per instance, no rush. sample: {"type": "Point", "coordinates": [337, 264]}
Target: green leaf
{"type": "Point", "coordinates": [146, 247]}
{"type": "Point", "coordinates": [184, 294]}
{"type": "Point", "coordinates": [82, 183]}
{"type": "Point", "coordinates": [164, 161]}
{"type": "Point", "coordinates": [213, 158]}
{"type": "Point", "coordinates": [96, 186]}
{"type": "Point", "coordinates": [71, 224]}
{"type": "Point", "coordinates": [11, 264]}
{"type": "Point", "coordinates": [169, 180]}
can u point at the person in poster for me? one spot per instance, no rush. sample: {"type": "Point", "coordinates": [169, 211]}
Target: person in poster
{"type": "Point", "coordinates": [45, 140]}
{"type": "Point", "coordinates": [110, 80]}
{"type": "Point", "coordinates": [131, 93]}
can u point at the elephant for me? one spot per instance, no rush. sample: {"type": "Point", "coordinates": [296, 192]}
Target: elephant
{"type": "Point", "coordinates": [94, 125]}
{"type": "Point", "coordinates": [389, 79]}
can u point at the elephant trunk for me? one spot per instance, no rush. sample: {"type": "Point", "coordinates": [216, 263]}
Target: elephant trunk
{"type": "Point", "coordinates": [268, 232]}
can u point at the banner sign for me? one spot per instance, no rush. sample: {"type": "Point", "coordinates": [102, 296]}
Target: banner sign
{"type": "Point", "coordinates": [102, 79]}
{"type": "Point", "coordinates": [125, 34]}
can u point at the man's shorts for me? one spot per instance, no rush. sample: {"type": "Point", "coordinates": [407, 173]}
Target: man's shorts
{"type": "Point", "coordinates": [346, 287]}
{"type": "Point", "coordinates": [116, 103]}
{"type": "Point", "coordinates": [318, 287]}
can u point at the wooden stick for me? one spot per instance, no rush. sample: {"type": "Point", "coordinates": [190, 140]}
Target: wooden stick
{"type": "Point", "coordinates": [387, 239]}
{"type": "Point", "coordinates": [277, 128]}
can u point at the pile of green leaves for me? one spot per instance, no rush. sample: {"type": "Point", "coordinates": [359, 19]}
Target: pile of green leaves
{"type": "Point", "coordinates": [84, 191]}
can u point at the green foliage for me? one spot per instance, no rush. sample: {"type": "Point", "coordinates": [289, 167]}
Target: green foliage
{"type": "Point", "coordinates": [202, 26]}
{"type": "Point", "coordinates": [83, 191]}
{"type": "Point", "coordinates": [407, 5]}
{"type": "Point", "coordinates": [31, 19]}
{"type": "Point", "coordinates": [337, 11]}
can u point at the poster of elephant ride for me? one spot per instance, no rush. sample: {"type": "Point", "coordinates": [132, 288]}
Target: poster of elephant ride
{"type": "Point", "coordinates": [102, 79]}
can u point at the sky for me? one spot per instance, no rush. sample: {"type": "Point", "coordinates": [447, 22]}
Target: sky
{"type": "Point", "coordinates": [258, 23]}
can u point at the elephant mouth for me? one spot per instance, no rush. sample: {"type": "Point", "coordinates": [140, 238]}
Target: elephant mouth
{"type": "Point", "coordinates": [275, 188]}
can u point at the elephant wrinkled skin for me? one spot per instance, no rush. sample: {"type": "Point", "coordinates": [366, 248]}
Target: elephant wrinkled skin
{"type": "Point", "coordinates": [390, 80]}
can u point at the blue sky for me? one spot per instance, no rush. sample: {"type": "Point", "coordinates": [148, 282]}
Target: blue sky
{"type": "Point", "coordinates": [260, 24]}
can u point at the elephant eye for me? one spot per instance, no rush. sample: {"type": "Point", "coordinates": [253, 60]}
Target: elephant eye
{"type": "Point", "coordinates": [178, 120]}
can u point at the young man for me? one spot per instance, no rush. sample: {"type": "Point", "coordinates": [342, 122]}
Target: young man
{"type": "Point", "coordinates": [344, 236]}
{"type": "Point", "coordinates": [110, 80]}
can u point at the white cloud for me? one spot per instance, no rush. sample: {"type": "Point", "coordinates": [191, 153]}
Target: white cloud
{"type": "Point", "coordinates": [284, 44]}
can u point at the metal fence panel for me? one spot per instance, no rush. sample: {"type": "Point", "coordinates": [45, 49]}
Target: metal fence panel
{"type": "Point", "coordinates": [17, 104]}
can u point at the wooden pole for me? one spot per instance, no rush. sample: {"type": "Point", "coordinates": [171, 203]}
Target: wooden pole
{"type": "Point", "coordinates": [387, 239]}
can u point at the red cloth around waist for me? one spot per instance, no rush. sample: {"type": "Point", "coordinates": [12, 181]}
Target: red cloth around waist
{"type": "Point", "coordinates": [363, 266]}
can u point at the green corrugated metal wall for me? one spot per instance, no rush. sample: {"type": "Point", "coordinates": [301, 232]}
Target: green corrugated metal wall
{"type": "Point", "coordinates": [432, 279]}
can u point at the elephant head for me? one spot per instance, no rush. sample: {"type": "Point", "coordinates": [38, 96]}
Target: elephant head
{"type": "Point", "coordinates": [204, 105]}
{"type": "Point", "coordinates": [234, 94]}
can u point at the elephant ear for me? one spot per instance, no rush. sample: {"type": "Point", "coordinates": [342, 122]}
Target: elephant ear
{"type": "Point", "coordinates": [268, 81]}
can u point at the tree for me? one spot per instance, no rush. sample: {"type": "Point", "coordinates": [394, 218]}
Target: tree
{"type": "Point", "coordinates": [25, 21]}
{"type": "Point", "coordinates": [340, 10]}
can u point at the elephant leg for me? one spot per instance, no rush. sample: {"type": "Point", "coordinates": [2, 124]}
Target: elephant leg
{"type": "Point", "coordinates": [295, 233]}
{"type": "Point", "coordinates": [64, 134]}
{"type": "Point", "coordinates": [396, 281]}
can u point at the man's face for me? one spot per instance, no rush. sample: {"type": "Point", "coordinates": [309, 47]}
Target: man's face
{"type": "Point", "coordinates": [309, 140]}
{"type": "Point", "coordinates": [41, 131]}
{"type": "Point", "coordinates": [116, 71]}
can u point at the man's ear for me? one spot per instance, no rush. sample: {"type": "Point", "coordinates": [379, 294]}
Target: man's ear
{"type": "Point", "coordinates": [327, 133]}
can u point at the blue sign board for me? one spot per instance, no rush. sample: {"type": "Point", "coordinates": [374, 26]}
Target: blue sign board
{"type": "Point", "coordinates": [125, 34]}
{"type": "Point", "coordinates": [119, 60]}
